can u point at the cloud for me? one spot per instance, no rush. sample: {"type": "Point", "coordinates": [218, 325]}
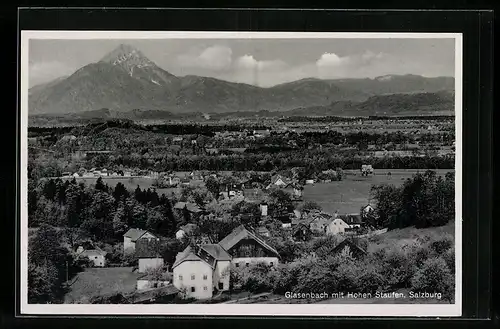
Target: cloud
{"type": "Point", "coordinates": [330, 65]}
{"type": "Point", "coordinates": [216, 61]}
{"type": "Point", "coordinates": [331, 60]}
{"type": "Point", "coordinates": [249, 62]}
{"type": "Point", "coordinates": [213, 58]}
{"type": "Point", "coordinates": [41, 72]}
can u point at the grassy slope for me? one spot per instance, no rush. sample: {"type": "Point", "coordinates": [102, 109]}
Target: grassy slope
{"type": "Point", "coordinates": [101, 281]}
{"type": "Point", "coordinates": [399, 236]}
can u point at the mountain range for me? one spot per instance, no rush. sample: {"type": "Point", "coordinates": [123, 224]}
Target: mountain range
{"type": "Point", "coordinates": [125, 80]}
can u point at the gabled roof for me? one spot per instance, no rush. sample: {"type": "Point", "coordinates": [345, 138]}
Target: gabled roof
{"type": "Point", "coordinates": [351, 245]}
{"type": "Point", "coordinates": [276, 178]}
{"type": "Point", "coordinates": [191, 207]}
{"type": "Point", "coordinates": [216, 251]}
{"type": "Point", "coordinates": [93, 252]}
{"type": "Point", "coordinates": [351, 219]}
{"type": "Point", "coordinates": [299, 227]}
{"type": "Point", "coordinates": [134, 234]}
{"type": "Point", "coordinates": [321, 219]}
{"type": "Point", "coordinates": [241, 233]}
{"type": "Point", "coordinates": [207, 253]}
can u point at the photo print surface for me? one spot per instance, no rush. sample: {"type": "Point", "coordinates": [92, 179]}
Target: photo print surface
{"type": "Point", "coordinates": [222, 173]}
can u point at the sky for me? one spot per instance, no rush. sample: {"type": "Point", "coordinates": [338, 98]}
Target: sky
{"type": "Point", "coordinates": [261, 62]}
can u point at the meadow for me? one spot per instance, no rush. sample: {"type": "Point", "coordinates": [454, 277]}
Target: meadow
{"type": "Point", "coordinates": [353, 192]}
{"type": "Point", "coordinates": [95, 282]}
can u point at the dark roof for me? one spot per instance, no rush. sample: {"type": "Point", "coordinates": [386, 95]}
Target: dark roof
{"type": "Point", "coordinates": [241, 233]}
{"type": "Point", "coordinates": [147, 295]}
{"type": "Point", "coordinates": [351, 219]}
{"type": "Point", "coordinates": [320, 219]}
{"type": "Point", "coordinates": [216, 251]}
{"type": "Point", "coordinates": [146, 248]}
{"type": "Point", "coordinates": [352, 245]}
{"type": "Point", "coordinates": [135, 234]}
{"type": "Point", "coordinates": [299, 227]}
{"type": "Point", "coordinates": [191, 207]}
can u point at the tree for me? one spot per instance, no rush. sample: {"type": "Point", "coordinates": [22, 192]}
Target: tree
{"type": "Point", "coordinates": [120, 192]}
{"type": "Point", "coordinates": [280, 203]}
{"type": "Point", "coordinates": [434, 276]}
{"type": "Point", "coordinates": [213, 186]}
{"type": "Point", "coordinates": [309, 206]}
{"type": "Point", "coordinates": [48, 265]}
{"type": "Point", "coordinates": [388, 199]}
{"type": "Point", "coordinates": [120, 220]}
{"type": "Point", "coordinates": [99, 185]}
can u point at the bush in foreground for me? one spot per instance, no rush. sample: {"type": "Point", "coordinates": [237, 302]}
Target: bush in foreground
{"type": "Point", "coordinates": [434, 276]}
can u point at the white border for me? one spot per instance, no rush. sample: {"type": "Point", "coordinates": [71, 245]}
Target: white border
{"type": "Point", "coordinates": [319, 310]}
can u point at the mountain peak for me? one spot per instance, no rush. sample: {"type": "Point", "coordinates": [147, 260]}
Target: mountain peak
{"type": "Point", "coordinates": [128, 57]}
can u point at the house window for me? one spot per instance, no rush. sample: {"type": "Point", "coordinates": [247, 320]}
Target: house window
{"type": "Point", "coordinates": [237, 264]}
{"type": "Point", "coordinates": [180, 277]}
{"type": "Point", "coordinates": [221, 285]}
{"type": "Point", "coordinates": [247, 264]}
{"type": "Point", "coordinates": [271, 263]}
{"type": "Point", "coordinates": [205, 288]}
{"type": "Point", "coordinates": [193, 289]}
{"type": "Point", "coordinates": [95, 257]}
{"type": "Point", "coordinates": [205, 276]}
{"type": "Point", "coordinates": [192, 276]}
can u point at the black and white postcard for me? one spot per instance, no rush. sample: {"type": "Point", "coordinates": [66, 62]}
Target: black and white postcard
{"type": "Point", "coordinates": [241, 173]}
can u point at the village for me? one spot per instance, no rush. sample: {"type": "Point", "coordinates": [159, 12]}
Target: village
{"type": "Point", "coordinates": [202, 270]}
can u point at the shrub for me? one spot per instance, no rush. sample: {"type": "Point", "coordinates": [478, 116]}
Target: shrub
{"type": "Point", "coordinates": [255, 278]}
{"type": "Point", "coordinates": [129, 258]}
{"type": "Point", "coordinates": [449, 258]}
{"type": "Point", "coordinates": [434, 276]}
{"type": "Point", "coordinates": [442, 244]}
{"type": "Point", "coordinates": [115, 298]}
{"type": "Point", "coordinates": [114, 254]}
{"type": "Point", "coordinates": [370, 279]}
{"type": "Point", "coordinates": [346, 277]}
{"type": "Point", "coordinates": [397, 268]}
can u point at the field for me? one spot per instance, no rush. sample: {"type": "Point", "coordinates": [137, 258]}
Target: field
{"type": "Point", "coordinates": [101, 281]}
{"type": "Point", "coordinates": [353, 192]}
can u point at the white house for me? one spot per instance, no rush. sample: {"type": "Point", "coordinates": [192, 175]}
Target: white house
{"type": "Point", "coordinates": [96, 255]}
{"type": "Point", "coordinates": [246, 247]}
{"type": "Point", "coordinates": [263, 209]}
{"type": "Point", "coordinates": [279, 181]}
{"type": "Point", "coordinates": [367, 210]}
{"type": "Point", "coordinates": [200, 270]}
{"type": "Point", "coordinates": [148, 254]}
{"type": "Point", "coordinates": [132, 236]}
{"type": "Point", "coordinates": [337, 226]}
